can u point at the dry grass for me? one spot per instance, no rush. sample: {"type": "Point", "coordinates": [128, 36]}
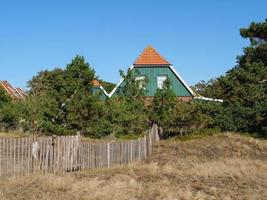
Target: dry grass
{"type": "Point", "coordinates": [13, 134]}
{"type": "Point", "coordinates": [216, 167]}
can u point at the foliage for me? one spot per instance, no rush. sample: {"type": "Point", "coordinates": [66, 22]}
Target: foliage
{"type": "Point", "coordinates": [185, 118]}
{"type": "Point", "coordinates": [61, 102]}
{"type": "Point", "coordinates": [65, 98]}
{"type": "Point", "coordinates": [125, 114]}
{"type": "Point", "coordinates": [9, 111]}
{"type": "Point", "coordinates": [244, 88]}
{"type": "Point", "coordinates": [133, 89]}
{"type": "Point", "coordinates": [4, 98]}
{"type": "Point", "coordinates": [34, 108]}
{"type": "Point", "coordinates": [163, 103]}
{"type": "Point", "coordinates": [107, 85]}
{"type": "Point", "coordinates": [120, 117]}
{"type": "Point", "coordinates": [256, 32]}
{"type": "Point", "coordinates": [10, 115]}
{"type": "Point", "coordinates": [200, 133]}
{"type": "Point", "coordinates": [175, 116]}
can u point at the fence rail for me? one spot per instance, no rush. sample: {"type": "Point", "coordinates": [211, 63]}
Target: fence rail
{"type": "Point", "coordinates": [21, 156]}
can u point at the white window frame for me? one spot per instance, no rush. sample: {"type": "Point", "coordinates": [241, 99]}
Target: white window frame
{"type": "Point", "coordinates": [141, 79]}
{"type": "Point", "coordinates": [160, 81]}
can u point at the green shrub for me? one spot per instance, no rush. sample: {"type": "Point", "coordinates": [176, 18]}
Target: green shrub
{"type": "Point", "coordinates": [175, 116]}
{"type": "Point", "coordinates": [10, 115]}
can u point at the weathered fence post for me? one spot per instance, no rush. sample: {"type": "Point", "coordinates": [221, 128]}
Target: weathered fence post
{"type": "Point", "coordinates": [68, 153]}
{"type": "Point", "coordinates": [108, 150]}
{"type": "Point", "coordinates": [131, 150]}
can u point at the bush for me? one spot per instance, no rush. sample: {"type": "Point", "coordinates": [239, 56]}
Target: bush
{"type": "Point", "coordinates": [175, 116]}
{"type": "Point", "coordinates": [120, 117]}
{"type": "Point", "coordinates": [185, 118]}
{"type": "Point", "coordinates": [10, 115]}
{"type": "Point", "coordinates": [124, 115]}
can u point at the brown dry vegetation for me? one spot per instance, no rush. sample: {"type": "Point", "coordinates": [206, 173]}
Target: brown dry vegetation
{"type": "Point", "coordinates": [13, 134]}
{"type": "Point", "coordinates": [215, 167]}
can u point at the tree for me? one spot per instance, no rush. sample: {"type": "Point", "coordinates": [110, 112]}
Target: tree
{"type": "Point", "coordinates": [67, 98]}
{"type": "Point", "coordinates": [133, 89]}
{"type": "Point", "coordinates": [126, 114]}
{"type": "Point", "coordinates": [107, 85]}
{"type": "Point", "coordinates": [9, 111]}
{"type": "Point", "coordinates": [10, 115]}
{"type": "Point", "coordinates": [4, 98]}
{"type": "Point", "coordinates": [163, 103]}
{"type": "Point", "coordinates": [123, 117]}
{"type": "Point", "coordinates": [185, 118]}
{"type": "Point", "coordinates": [256, 32]}
{"type": "Point", "coordinates": [175, 116]}
{"type": "Point", "coordinates": [244, 88]}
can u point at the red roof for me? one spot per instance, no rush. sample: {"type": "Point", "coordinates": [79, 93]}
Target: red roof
{"type": "Point", "coordinates": [21, 92]}
{"type": "Point", "coordinates": [95, 83]}
{"type": "Point", "coordinates": [15, 93]}
{"type": "Point", "coordinates": [150, 57]}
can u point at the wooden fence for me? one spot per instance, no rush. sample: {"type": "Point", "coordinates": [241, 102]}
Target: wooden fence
{"type": "Point", "coordinates": [21, 156]}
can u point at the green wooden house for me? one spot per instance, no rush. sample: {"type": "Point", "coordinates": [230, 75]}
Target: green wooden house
{"type": "Point", "coordinates": [99, 90]}
{"type": "Point", "coordinates": [156, 69]}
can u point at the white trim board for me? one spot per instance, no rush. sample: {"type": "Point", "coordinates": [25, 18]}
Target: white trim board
{"type": "Point", "coordinates": [209, 99]}
{"type": "Point", "coordinates": [103, 89]}
{"type": "Point", "coordinates": [120, 82]}
{"type": "Point", "coordinates": [180, 78]}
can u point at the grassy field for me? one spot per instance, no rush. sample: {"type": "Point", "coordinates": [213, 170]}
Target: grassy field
{"type": "Point", "coordinates": [214, 167]}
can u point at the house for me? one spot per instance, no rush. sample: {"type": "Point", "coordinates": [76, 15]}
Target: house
{"type": "Point", "coordinates": [156, 69]}
{"type": "Point", "coordinates": [14, 93]}
{"type": "Point", "coordinates": [151, 66]}
{"type": "Point", "coordinates": [99, 90]}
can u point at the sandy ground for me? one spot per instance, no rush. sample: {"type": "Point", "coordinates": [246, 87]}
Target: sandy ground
{"type": "Point", "coordinates": [215, 167]}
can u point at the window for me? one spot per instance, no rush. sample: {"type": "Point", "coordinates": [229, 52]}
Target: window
{"type": "Point", "coordinates": [141, 80]}
{"type": "Point", "coordinates": [160, 81]}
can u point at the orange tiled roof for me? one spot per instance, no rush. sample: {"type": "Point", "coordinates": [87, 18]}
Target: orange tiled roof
{"type": "Point", "coordinates": [15, 93]}
{"type": "Point", "coordinates": [150, 57]}
{"type": "Point", "coordinates": [21, 92]}
{"type": "Point", "coordinates": [95, 83]}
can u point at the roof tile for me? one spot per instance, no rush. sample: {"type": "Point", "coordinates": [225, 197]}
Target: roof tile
{"type": "Point", "coordinates": [150, 57]}
{"type": "Point", "coordinates": [95, 83]}
{"type": "Point", "coordinates": [15, 93]}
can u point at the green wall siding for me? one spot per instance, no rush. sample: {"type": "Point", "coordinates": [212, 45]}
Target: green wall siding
{"type": "Point", "coordinates": [99, 91]}
{"type": "Point", "coordinates": [152, 73]}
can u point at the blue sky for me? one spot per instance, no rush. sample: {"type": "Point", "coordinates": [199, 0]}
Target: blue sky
{"type": "Point", "coordinates": [200, 38]}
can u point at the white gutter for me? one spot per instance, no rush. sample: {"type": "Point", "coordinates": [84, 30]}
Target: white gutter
{"type": "Point", "coordinates": [114, 90]}
{"type": "Point", "coordinates": [209, 99]}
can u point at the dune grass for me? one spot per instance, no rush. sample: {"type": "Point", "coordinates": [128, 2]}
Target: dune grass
{"type": "Point", "coordinates": [13, 134]}
{"type": "Point", "coordinates": [228, 166]}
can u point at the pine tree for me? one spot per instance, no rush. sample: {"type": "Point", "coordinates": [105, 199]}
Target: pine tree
{"type": "Point", "coordinates": [65, 97]}
{"type": "Point", "coordinates": [244, 88]}
{"type": "Point", "coordinates": [163, 103]}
